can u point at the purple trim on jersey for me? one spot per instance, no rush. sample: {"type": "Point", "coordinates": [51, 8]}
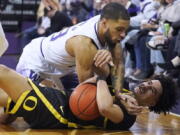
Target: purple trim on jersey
{"type": "Point", "coordinates": [41, 47]}
{"type": "Point", "coordinates": [142, 10]}
{"type": "Point", "coordinates": [61, 33]}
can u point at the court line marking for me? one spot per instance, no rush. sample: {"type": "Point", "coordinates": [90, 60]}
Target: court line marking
{"type": "Point", "coordinates": [174, 114]}
{"type": "Point", "coordinates": [122, 132]}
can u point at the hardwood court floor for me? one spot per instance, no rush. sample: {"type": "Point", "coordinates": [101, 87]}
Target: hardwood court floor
{"type": "Point", "coordinates": [147, 124]}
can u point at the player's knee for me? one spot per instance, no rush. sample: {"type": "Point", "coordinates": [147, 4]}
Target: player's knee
{"type": "Point", "coordinates": [3, 70]}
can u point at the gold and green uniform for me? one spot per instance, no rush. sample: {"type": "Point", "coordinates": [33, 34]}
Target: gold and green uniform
{"type": "Point", "coordinates": [49, 108]}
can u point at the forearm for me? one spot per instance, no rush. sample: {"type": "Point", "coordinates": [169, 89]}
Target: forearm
{"type": "Point", "coordinates": [105, 103]}
{"type": "Point", "coordinates": [104, 71]}
{"type": "Point", "coordinates": [82, 76]}
{"type": "Point", "coordinates": [118, 79]}
{"type": "Point", "coordinates": [83, 73]}
{"type": "Point", "coordinates": [117, 72]}
{"type": "Point", "coordinates": [104, 98]}
{"type": "Point", "coordinates": [84, 53]}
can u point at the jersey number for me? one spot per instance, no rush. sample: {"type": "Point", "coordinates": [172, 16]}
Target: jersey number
{"type": "Point", "coordinates": [65, 31]}
{"type": "Point", "coordinates": [61, 33]}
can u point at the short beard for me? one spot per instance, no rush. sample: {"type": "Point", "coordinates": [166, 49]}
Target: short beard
{"type": "Point", "coordinates": [108, 40]}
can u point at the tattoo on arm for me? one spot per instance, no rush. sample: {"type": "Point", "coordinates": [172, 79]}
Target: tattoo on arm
{"type": "Point", "coordinates": [118, 71]}
{"type": "Point", "coordinates": [118, 79]}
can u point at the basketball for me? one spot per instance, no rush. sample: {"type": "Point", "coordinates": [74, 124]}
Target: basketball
{"type": "Point", "coordinates": [83, 102]}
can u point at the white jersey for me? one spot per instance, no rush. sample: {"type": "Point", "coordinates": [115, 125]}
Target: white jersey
{"type": "Point", "coordinates": [48, 56]}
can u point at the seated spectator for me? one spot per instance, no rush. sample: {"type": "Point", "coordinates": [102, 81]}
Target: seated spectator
{"type": "Point", "coordinates": [81, 10]}
{"type": "Point", "coordinates": [143, 68]}
{"type": "Point", "coordinates": [132, 9]}
{"type": "Point", "coordinates": [169, 28]}
{"type": "Point", "coordinates": [46, 25]}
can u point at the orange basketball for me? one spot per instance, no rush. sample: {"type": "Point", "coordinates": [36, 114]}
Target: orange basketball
{"type": "Point", "coordinates": [83, 102]}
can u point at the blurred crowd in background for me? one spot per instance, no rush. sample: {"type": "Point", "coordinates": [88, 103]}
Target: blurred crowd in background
{"type": "Point", "coordinates": [152, 44]}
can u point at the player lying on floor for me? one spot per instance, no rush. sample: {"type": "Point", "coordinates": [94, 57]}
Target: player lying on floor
{"type": "Point", "coordinates": [43, 107]}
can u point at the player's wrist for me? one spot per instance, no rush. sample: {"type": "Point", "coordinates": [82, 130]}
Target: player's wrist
{"type": "Point", "coordinates": [118, 94]}
{"type": "Point", "coordinates": [100, 78]}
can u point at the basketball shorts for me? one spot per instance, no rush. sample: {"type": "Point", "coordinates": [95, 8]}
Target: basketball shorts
{"type": "Point", "coordinates": [41, 107]}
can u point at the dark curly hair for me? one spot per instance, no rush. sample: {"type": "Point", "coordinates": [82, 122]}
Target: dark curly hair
{"type": "Point", "coordinates": [168, 99]}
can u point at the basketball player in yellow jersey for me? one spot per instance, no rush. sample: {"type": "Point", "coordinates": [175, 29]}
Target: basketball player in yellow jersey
{"type": "Point", "coordinates": [48, 108]}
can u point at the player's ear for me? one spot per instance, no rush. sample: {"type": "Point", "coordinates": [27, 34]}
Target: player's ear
{"type": "Point", "coordinates": [104, 23]}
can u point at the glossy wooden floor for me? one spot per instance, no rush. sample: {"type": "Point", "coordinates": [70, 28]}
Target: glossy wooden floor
{"type": "Point", "coordinates": [147, 124]}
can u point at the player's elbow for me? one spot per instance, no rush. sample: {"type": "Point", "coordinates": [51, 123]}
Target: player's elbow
{"type": "Point", "coordinates": [104, 110]}
{"type": "Point", "coordinates": [105, 107]}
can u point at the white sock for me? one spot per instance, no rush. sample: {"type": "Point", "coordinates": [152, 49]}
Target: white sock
{"type": "Point", "coordinates": [3, 41]}
{"type": "Point", "coordinates": [176, 61]}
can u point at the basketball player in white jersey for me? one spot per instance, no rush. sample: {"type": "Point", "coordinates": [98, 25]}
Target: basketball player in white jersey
{"type": "Point", "coordinates": [57, 55]}
{"type": "Point", "coordinates": [3, 41]}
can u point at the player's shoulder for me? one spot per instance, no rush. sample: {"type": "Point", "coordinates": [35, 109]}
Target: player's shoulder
{"type": "Point", "coordinates": [78, 45]}
{"type": "Point", "coordinates": [89, 45]}
{"type": "Point", "coordinates": [84, 49]}
{"type": "Point", "coordinates": [83, 42]}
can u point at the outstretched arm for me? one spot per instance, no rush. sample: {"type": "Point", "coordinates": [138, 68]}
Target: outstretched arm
{"type": "Point", "coordinates": [105, 103]}
{"type": "Point", "coordinates": [117, 72]}
{"type": "Point", "coordinates": [84, 53]}
{"type": "Point", "coordinates": [3, 41]}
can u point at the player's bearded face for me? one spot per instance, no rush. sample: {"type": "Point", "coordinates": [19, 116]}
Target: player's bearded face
{"type": "Point", "coordinates": [108, 39]}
